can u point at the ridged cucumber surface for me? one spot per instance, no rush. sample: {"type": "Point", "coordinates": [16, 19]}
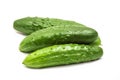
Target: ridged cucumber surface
{"type": "Point", "coordinates": [28, 25]}
{"type": "Point", "coordinates": [58, 35]}
{"type": "Point", "coordinates": [62, 55]}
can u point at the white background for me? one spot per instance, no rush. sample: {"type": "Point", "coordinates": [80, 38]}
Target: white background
{"type": "Point", "coordinates": [102, 15]}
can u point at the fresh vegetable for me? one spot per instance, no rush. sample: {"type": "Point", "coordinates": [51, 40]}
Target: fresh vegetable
{"type": "Point", "coordinates": [58, 35]}
{"type": "Point", "coordinates": [54, 42]}
{"type": "Point", "coordinates": [62, 55]}
{"type": "Point", "coordinates": [28, 25]}
{"type": "Point", "coordinates": [96, 42]}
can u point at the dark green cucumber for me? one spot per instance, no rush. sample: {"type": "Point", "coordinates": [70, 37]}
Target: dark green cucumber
{"type": "Point", "coordinates": [28, 25]}
{"type": "Point", "coordinates": [58, 35]}
{"type": "Point", "coordinates": [62, 55]}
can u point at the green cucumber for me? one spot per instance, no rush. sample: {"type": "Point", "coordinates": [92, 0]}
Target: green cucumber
{"type": "Point", "coordinates": [28, 25]}
{"type": "Point", "coordinates": [96, 42]}
{"type": "Point", "coordinates": [58, 35]}
{"type": "Point", "coordinates": [62, 55]}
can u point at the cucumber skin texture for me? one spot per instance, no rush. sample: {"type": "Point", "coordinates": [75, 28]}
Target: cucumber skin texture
{"type": "Point", "coordinates": [57, 35]}
{"type": "Point", "coordinates": [62, 55]}
{"type": "Point", "coordinates": [28, 25]}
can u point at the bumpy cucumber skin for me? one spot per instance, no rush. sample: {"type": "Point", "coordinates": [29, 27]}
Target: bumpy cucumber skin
{"type": "Point", "coordinates": [62, 55]}
{"type": "Point", "coordinates": [28, 25]}
{"type": "Point", "coordinates": [57, 35]}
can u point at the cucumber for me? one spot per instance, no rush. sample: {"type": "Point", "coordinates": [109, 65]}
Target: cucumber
{"type": "Point", "coordinates": [28, 25]}
{"type": "Point", "coordinates": [62, 55]}
{"type": "Point", "coordinates": [96, 42]}
{"type": "Point", "coordinates": [58, 35]}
